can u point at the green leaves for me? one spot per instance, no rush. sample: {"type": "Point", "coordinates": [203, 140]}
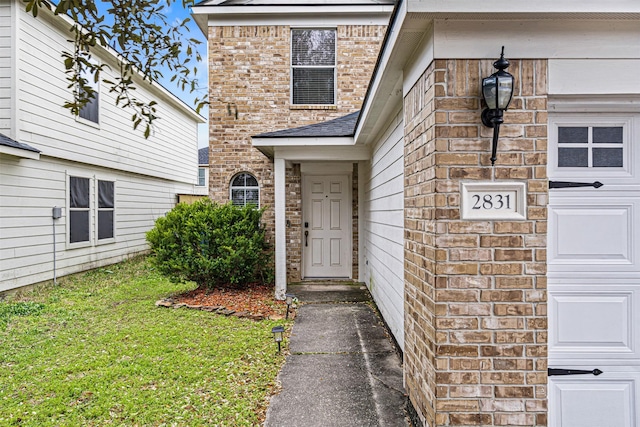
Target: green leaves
{"type": "Point", "coordinates": [210, 244]}
{"type": "Point", "coordinates": [9, 310]}
{"type": "Point", "coordinates": [145, 42]}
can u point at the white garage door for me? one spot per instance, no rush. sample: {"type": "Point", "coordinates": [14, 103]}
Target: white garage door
{"type": "Point", "coordinates": [594, 270]}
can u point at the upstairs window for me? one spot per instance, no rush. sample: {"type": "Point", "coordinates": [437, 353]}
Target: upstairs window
{"type": "Point", "coordinates": [90, 111]}
{"type": "Point", "coordinates": [313, 66]}
{"type": "Point", "coordinates": [245, 190]}
{"type": "Point", "coordinates": [201, 177]}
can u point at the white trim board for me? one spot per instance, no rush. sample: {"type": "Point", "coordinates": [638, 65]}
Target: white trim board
{"type": "Point", "coordinates": [353, 153]}
{"type": "Point", "coordinates": [594, 76]}
{"type": "Point", "coordinates": [519, 7]}
{"type": "Point", "coordinates": [532, 39]}
{"type": "Point", "coordinates": [321, 168]}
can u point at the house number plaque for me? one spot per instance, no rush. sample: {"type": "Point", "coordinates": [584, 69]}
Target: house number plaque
{"type": "Point", "coordinates": [493, 200]}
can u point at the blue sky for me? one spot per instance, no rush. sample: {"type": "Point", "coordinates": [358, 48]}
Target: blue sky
{"type": "Point", "coordinates": [177, 12]}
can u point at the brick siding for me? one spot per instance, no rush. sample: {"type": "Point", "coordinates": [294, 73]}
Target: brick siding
{"type": "Point", "coordinates": [249, 81]}
{"type": "Point", "coordinates": [475, 291]}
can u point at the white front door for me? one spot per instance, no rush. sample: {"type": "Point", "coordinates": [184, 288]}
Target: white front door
{"type": "Point", "coordinates": [594, 270]}
{"type": "Point", "coordinates": [327, 225]}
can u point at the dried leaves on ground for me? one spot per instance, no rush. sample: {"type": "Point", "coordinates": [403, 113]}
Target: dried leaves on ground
{"type": "Point", "coordinates": [256, 299]}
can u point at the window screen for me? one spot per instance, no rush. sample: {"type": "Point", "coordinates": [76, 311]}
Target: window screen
{"type": "Point", "coordinates": [106, 207]}
{"type": "Point", "coordinates": [79, 194]}
{"type": "Point", "coordinates": [313, 62]}
{"type": "Point", "coordinates": [245, 190]}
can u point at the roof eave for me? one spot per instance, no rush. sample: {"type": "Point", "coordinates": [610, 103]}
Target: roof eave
{"type": "Point", "coordinates": [216, 15]}
{"type": "Point", "coordinates": [19, 152]}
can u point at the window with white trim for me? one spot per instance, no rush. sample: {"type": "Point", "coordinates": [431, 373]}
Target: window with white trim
{"type": "Point", "coordinates": [106, 209]}
{"type": "Point", "coordinates": [90, 111]}
{"type": "Point", "coordinates": [245, 190]}
{"type": "Point", "coordinates": [79, 209]}
{"type": "Point", "coordinates": [91, 211]}
{"type": "Point", "coordinates": [313, 66]}
{"type": "Point", "coordinates": [201, 177]}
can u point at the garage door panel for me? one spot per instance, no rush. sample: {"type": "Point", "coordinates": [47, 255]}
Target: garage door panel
{"type": "Point", "coordinates": [587, 401]}
{"type": "Point", "coordinates": [600, 236]}
{"type": "Point", "coordinates": [593, 265]}
{"type": "Point", "coordinates": [586, 324]}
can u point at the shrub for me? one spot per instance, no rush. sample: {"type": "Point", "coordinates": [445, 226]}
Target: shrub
{"type": "Point", "coordinates": [211, 244]}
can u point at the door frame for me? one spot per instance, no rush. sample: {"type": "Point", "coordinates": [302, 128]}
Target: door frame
{"type": "Point", "coordinates": [327, 169]}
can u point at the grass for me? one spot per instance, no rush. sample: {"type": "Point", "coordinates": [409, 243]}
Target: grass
{"type": "Point", "coordinates": [95, 351]}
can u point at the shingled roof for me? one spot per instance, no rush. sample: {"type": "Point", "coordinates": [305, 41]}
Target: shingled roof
{"type": "Point", "coordinates": [203, 156]}
{"type": "Point", "coordinates": [8, 142]}
{"type": "Point", "coordinates": [340, 127]}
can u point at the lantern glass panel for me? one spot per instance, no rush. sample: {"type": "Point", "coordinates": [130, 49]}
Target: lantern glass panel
{"type": "Point", "coordinates": [277, 332]}
{"type": "Point", "coordinates": [505, 90]}
{"type": "Point", "coordinates": [489, 85]}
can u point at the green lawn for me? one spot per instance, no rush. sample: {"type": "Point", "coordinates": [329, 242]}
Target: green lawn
{"type": "Point", "coordinates": [95, 351]}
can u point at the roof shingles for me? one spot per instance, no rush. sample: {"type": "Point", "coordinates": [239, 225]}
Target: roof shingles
{"type": "Point", "coordinates": [340, 127]}
{"type": "Point", "coordinates": [8, 142]}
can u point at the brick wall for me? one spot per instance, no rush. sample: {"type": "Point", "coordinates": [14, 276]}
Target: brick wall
{"type": "Point", "coordinates": [294, 226]}
{"type": "Point", "coordinates": [475, 298]}
{"type": "Point", "coordinates": [249, 80]}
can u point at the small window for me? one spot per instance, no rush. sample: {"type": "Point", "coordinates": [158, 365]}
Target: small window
{"type": "Point", "coordinates": [79, 209]}
{"type": "Point", "coordinates": [245, 190]}
{"type": "Point", "coordinates": [90, 111]}
{"type": "Point", "coordinates": [201, 177]}
{"type": "Point", "coordinates": [313, 66]}
{"type": "Point", "coordinates": [590, 147]}
{"type": "Point", "coordinates": [106, 209]}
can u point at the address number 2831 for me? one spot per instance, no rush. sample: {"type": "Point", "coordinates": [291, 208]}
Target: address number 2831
{"type": "Point", "coordinates": [489, 201]}
{"type": "Point", "coordinates": [494, 200]}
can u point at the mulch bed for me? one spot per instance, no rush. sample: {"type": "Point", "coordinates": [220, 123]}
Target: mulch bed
{"type": "Point", "coordinates": [256, 302]}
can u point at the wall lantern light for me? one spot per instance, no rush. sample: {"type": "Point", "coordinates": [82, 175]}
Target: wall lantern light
{"type": "Point", "coordinates": [497, 90]}
{"type": "Point", "coordinates": [278, 333]}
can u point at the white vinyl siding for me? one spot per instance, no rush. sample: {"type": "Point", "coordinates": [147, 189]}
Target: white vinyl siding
{"type": "Point", "coordinates": [45, 124]}
{"type": "Point", "coordinates": [147, 174]}
{"type": "Point", "coordinates": [384, 227]}
{"type": "Point", "coordinates": [29, 191]}
{"type": "Point", "coordinates": [6, 59]}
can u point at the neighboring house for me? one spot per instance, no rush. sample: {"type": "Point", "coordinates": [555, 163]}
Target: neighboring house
{"type": "Point", "coordinates": [84, 189]}
{"type": "Point", "coordinates": [485, 277]}
{"type": "Point", "coordinates": [202, 186]}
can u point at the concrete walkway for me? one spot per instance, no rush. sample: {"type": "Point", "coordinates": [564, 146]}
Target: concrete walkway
{"type": "Point", "coordinates": [342, 369]}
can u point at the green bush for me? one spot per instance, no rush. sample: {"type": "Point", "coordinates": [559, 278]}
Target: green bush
{"type": "Point", "coordinates": [211, 244]}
